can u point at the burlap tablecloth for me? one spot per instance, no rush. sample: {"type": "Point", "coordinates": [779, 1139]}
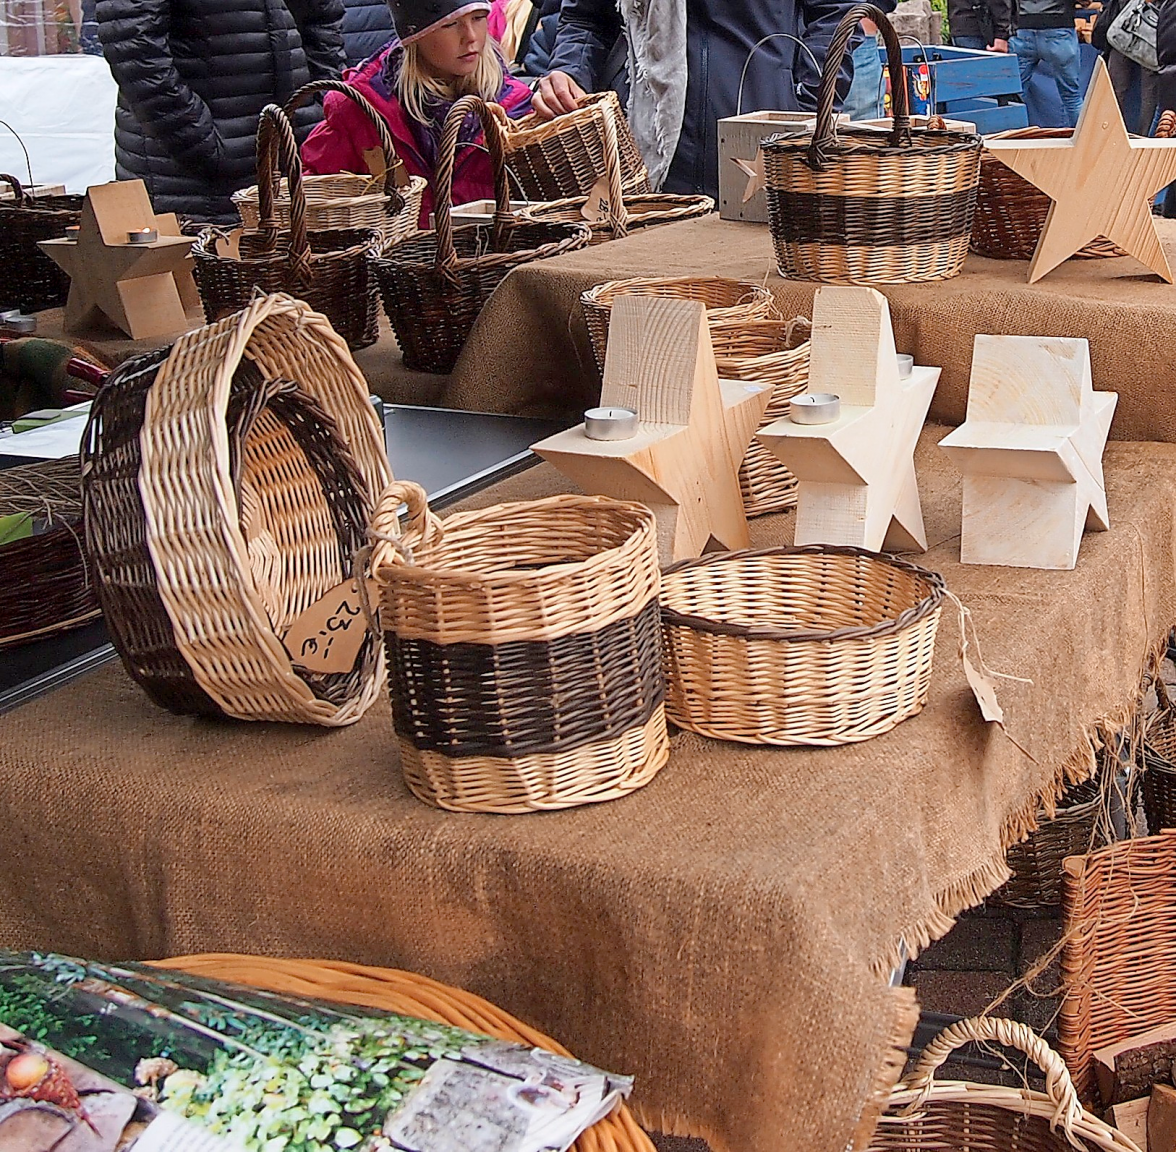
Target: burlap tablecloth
{"type": "Point", "coordinates": [723, 934]}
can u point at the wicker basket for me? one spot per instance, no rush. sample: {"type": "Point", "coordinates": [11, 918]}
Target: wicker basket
{"type": "Point", "coordinates": [725, 300]}
{"type": "Point", "coordinates": [541, 621]}
{"type": "Point", "coordinates": [861, 207]}
{"type": "Point", "coordinates": [1159, 762]}
{"type": "Point", "coordinates": [434, 284]}
{"type": "Point", "coordinates": [922, 1115]}
{"type": "Point", "coordinates": [407, 994]}
{"type": "Point", "coordinates": [556, 159]}
{"type": "Point", "coordinates": [815, 645]}
{"type": "Point", "coordinates": [44, 586]}
{"type": "Point", "coordinates": [32, 280]}
{"type": "Point", "coordinates": [390, 206]}
{"type": "Point", "coordinates": [227, 484]}
{"type": "Point", "coordinates": [328, 270]}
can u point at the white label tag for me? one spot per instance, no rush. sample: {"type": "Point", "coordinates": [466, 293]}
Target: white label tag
{"type": "Point", "coordinates": [328, 635]}
{"type": "Point", "coordinates": [598, 206]}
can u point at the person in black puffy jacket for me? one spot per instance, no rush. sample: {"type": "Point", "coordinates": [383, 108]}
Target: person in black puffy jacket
{"type": "Point", "coordinates": [193, 75]}
{"type": "Point", "coordinates": [367, 27]}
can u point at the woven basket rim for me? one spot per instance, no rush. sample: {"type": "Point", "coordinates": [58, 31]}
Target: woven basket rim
{"type": "Point", "coordinates": [205, 247]}
{"type": "Point", "coordinates": [937, 590]}
{"type": "Point", "coordinates": [252, 194]}
{"type": "Point", "coordinates": [604, 294]}
{"type": "Point", "coordinates": [862, 141]}
{"type": "Point", "coordinates": [562, 232]}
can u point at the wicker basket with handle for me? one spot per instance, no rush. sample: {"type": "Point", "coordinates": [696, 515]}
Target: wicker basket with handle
{"type": "Point", "coordinates": [31, 280]}
{"type": "Point", "coordinates": [1159, 762]}
{"type": "Point", "coordinates": [541, 621]}
{"type": "Point", "coordinates": [326, 269]}
{"type": "Point", "coordinates": [852, 206]}
{"type": "Point", "coordinates": [390, 203]}
{"type": "Point", "coordinates": [434, 284]}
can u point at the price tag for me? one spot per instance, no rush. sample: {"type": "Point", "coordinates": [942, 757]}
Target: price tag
{"type": "Point", "coordinates": [373, 160]}
{"type": "Point", "coordinates": [598, 205]}
{"type": "Point", "coordinates": [328, 635]}
{"type": "Point", "coordinates": [229, 246]}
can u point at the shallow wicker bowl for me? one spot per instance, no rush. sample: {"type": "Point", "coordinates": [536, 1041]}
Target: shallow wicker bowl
{"type": "Point", "coordinates": [646, 211]}
{"type": "Point", "coordinates": [815, 645]}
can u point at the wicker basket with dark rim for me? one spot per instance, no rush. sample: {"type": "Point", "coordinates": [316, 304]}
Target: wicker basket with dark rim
{"type": "Point", "coordinates": [851, 206]}
{"type": "Point", "coordinates": [1159, 762]}
{"type": "Point", "coordinates": [817, 645]}
{"type": "Point", "coordinates": [923, 1114]}
{"type": "Point", "coordinates": [31, 280]}
{"type": "Point", "coordinates": [541, 621]}
{"type": "Point", "coordinates": [391, 204]}
{"type": "Point", "coordinates": [434, 284]}
{"type": "Point", "coordinates": [227, 484]}
{"type": "Point", "coordinates": [328, 270]}
{"type": "Point", "coordinates": [564, 157]}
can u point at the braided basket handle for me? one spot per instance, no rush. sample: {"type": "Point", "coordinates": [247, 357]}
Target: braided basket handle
{"type": "Point", "coordinates": [1166, 128]}
{"type": "Point", "coordinates": [617, 216]}
{"type": "Point", "coordinates": [447, 259]}
{"type": "Point", "coordinates": [393, 165]}
{"type": "Point", "coordinates": [825, 133]}
{"type": "Point", "coordinates": [277, 156]}
{"type": "Point", "coordinates": [394, 543]}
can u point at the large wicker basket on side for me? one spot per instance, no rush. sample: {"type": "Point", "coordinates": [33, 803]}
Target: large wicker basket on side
{"type": "Point", "coordinates": [852, 206]}
{"type": "Point", "coordinates": [923, 1114]}
{"type": "Point", "coordinates": [31, 280]}
{"type": "Point", "coordinates": [725, 300]}
{"type": "Point", "coordinates": [541, 621]}
{"type": "Point", "coordinates": [1159, 762]}
{"type": "Point", "coordinates": [406, 994]}
{"type": "Point", "coordinates": [389, 204]}
{"type": "Point", "coordinates": [434, 284]}
{"type": "Point", "coordinates": [227, 486]}
{"type": "Point", "coordinates": [555, 159]}
{"type": "Point", "coordinates": [815, 645]}
{"type": "Point", "coordinates": [328, 270]}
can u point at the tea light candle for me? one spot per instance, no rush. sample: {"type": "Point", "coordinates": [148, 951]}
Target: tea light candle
{"type": "Point", "coordinates": [610, 423]}
{"type": "Point", "coordinates": [906, 365]}
{"type": "Point", "coordinates": [142, 236]}
{"type": "Point", "coordinates": [814, 408]}
{"type": "Point", "coordinates": [16, 322]}
{"type": "Point", "coordinates": [73, 231]}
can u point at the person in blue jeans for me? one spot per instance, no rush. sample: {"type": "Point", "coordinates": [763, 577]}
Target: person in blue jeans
{"type": "Point", "coordinates": [864, 101]}
{"type": "Point", "coordinates": [1046, 34]}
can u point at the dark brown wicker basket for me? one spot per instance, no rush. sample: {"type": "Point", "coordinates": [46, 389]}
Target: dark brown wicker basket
{"type": "Point", "coordinates": [327, 269]}
{"type": "Point", "coordinates": [31, 280]}
{"type": "Point", "coordinates": [1159, 762]}
{"type": "Point", "coordinates": [434, 284]}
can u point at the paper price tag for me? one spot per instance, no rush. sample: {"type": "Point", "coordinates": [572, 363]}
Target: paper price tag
{"type": "Point", "coordinates": [598, 206]}
{"type": "Point", "coordinates": [328, 635]}
{"type": "Point", "coordinates": [229, 247]}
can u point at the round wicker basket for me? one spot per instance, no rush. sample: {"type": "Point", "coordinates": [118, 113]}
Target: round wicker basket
{"type": "Point", "coordinates": [32, 280]}
{"type": "Point", "coordinates": [815, 645]}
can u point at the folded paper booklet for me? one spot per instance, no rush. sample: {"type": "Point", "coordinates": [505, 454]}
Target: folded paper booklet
{"type": "Point", "coordinates": [123, 1058]}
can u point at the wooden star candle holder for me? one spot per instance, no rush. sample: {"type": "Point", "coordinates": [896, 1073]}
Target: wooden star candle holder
{"type": "Point", "coordinates": [692, 430]}
{"type": "Point", "coordinates": [856, 474]}
{"type": "Point", "coordinates": [1031, 452]}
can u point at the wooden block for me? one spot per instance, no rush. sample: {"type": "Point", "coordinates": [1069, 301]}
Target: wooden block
{"type": "Point", "coordinates": [1130, 1118]}
{"type": "Point", "coordinates": [1129, 1068]}
{"type": "Point", "coordinates": [1161, 1119]}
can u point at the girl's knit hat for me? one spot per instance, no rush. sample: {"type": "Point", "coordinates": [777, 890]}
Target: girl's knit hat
{"type": "Point", "coordinates": [417, 18]}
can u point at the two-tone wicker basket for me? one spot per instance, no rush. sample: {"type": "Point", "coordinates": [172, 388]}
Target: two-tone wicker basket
{"type": "Point", "coordinates": [1159, 762]}
{"type": "Point", "coordinates": [434, 284]}
{"type": "Point", "coordinates": [390, 204]}
{"type": "Point", "coordinates": [327, 269]}
{"type": "Point", "coordinates": [524, 650]}
{"type": "Point", "coordinates": [855, 206]}
{"type": "Point", "coordinates": [816, 645]}
{"type": "Point", "coordinates": [227, 485]}
{"type": "Point", "coordinates": [31, 280]}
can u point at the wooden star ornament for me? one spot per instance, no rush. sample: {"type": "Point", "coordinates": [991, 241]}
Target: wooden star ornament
{"type": "Point", "coordinates": [693, 431]}
{"type": "Point", "coordinates": [754, 171]}
{"type": "Point", "coordinates": [1101, 180]}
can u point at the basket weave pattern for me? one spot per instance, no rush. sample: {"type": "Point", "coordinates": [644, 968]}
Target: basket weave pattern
{"type": "Point", "coordinates": [1159, 761]}
{"type": "Point", "coordinates": [32, 280]}
{"type": "Point", "coordinates": [815, 645]}
{"type": "Point", "coordinates": [540, 620]}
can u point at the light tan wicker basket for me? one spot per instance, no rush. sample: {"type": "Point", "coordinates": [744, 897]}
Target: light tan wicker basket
{"type": "Point", "coordinates": [540, 619]}
{"type": "Point", "coordinates": [815, 645]}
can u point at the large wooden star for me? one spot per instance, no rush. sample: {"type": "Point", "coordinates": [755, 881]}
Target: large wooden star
{"type": "Point", "coordinates": [1031, 452]}
{"type": "Point", "coordinates": [693, 433]}
{"type": "Point", "coordinates": [856, 475]}
{"type": "Point", "coordinates": [1101, 181]}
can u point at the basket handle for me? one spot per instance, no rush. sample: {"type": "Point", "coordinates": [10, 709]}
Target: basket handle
{"type": "Point", "coordinates": [1012, 1034]}
{"type": "Point", "coordinates": [443, 197]}
{"type": "Point", "coordinates": [393, 543]}
{"type": "Point", "coordinates": [1163, 699]}
{"type": "Point", "coordinates": [277, 155]}
{"type": "Point", "coordinates": [394, 170]}
{"type": "Point", "coordinates": [825, 133]}
{"type": "Point", "coordinates": [617, 216]}
{"type": "Point", "coordinates": [21, 197]}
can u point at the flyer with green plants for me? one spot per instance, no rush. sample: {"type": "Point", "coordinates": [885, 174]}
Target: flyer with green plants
{"type": "Point", "coordinates": [125, 1058]}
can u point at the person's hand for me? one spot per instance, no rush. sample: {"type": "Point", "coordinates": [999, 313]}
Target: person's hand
{"type": "Point", "coordinates": [555, 94]}
{"type": "Point", "coordinates": [998, 45]}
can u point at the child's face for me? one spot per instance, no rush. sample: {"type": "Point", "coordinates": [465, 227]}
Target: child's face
{"type": "Point", "coordinates": [455, 48]}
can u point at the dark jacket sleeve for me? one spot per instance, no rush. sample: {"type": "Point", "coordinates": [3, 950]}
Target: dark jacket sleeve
{"type": "Point", "coordinates": [1166, 54]}
{"type": "Point", "coordinates": [134, 37]}
{"type": "Point", "coordinates": [320, 24]}
{"type": "Point", "coordinates": [821, 18]}
{"type": "Point", "coordinates": [1102, 25]}
{"type": "Point", "coordinates": [1002, 18]}
{"type": "Point", "coordinates": [587, 31]}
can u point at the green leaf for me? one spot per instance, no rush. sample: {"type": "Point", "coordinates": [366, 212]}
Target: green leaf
{"type": "Point", "coordinates": [16, 526]}
{"type": "Point", "coordinates": [347, 1138]}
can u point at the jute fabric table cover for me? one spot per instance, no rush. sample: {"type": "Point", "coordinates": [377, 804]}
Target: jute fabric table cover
{"type": "Point", "coordinates": [723, 934]}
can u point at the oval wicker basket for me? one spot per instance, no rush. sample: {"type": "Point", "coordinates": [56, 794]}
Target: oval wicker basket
{"type": "Point", "coordinates": [816, 645]}
{"type": "Point", "coordinates": [725, 300]}
{"type": "Point", "coordinates": [406, 994]}
{"type": "Point", "coordinates": [328, 270]}
{"type": "Point", "coordinates": [227, 484]}
{"type": "Point", "coordinates": [1159, 761]}
{"type": "Point", "coordinates": [852, 206]}
{"type": "Point", "coordinates": [921, 1114]}
{"type": "Point", "coordinates": [347, 200]}
{"type": "Point", "coordinates": [564, 157]}
{"type": "Point", "coordinates": [434, 284]}
{"type": "Point", "coordinates": [32, 280]}
{"type": "Point", "coordinates": [541, 621]}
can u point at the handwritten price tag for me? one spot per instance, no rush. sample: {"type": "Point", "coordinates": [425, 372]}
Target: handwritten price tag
{"type": "Point", "coordinates": [597, 208]}
{"type": "Point", "coordinates": [328, 635]}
